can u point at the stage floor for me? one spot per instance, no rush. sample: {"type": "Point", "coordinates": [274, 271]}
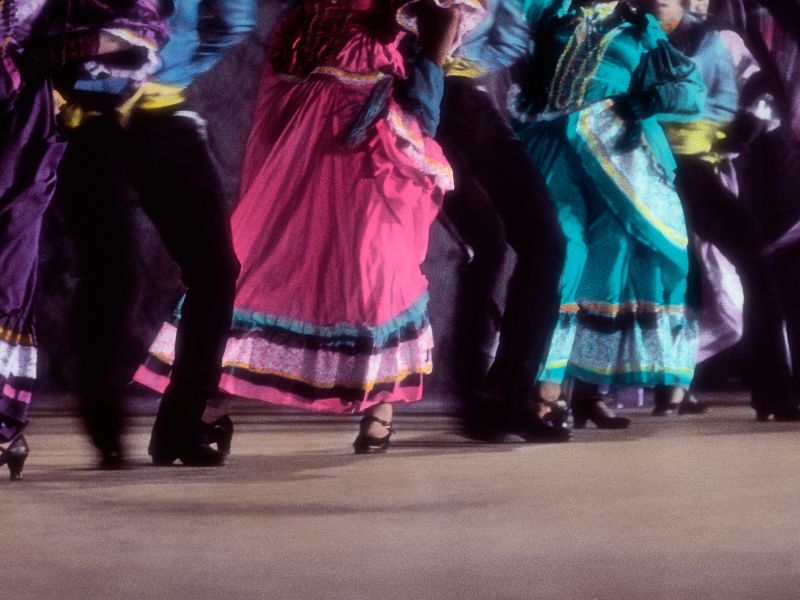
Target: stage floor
{"type": "Point", "coordinates": [697, 507]}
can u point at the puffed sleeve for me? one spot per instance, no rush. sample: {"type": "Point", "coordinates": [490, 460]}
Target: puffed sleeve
{"type": "Point", "coordinates": [471, 13]}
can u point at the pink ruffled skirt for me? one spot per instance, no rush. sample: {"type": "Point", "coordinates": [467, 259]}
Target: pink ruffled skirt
{"type": "Point", "coordinates": [330, 311]}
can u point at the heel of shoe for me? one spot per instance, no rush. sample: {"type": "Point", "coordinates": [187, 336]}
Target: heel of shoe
{"type": "Point", "coordinates": [15, 465]}
{"type": "Point", "coordinates": [220, 432]}
{"type": "Point", "coordinates": [16, 455]}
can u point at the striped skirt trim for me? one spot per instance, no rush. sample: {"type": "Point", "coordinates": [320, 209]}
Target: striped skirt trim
{"type": "Point", "coordinates": [644, 349]}
{"type": "Point", "coordinates": [316, 374]}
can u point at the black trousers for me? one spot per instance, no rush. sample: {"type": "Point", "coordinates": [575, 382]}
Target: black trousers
{"type": "Point", "coordinates": [500, 197]}
{"type": "Point", "coordinates": [721, 218]}
{"type": "Point", "coordinates": [160, 162]}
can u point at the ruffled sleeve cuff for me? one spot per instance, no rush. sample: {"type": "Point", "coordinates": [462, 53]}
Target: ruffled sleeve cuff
{"type": "Point", "coordinates": [148, 65]}
{"type": "Point", "coordinates": [471, 13]}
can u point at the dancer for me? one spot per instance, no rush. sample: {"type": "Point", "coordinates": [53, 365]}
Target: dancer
{"type": "Point", "coordinates": [500, 193]}
{"type": "Point", "coordinates": [707, 184]}
{"type": "Point", "coordinates": [341, 182]}
{"type": "Point", "coordinates": [157, 156]}
{"type": "Point", "coordinates": [601, 72]}
{"type": "Point", "coordinates": [35, 46]}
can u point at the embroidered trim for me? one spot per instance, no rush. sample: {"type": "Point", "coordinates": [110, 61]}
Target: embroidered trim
{"type": "Point", "coordinates": [350, 77]}
{"type": "Point", "coordinates": [619, 178]}
{"type": "Point", "coordinates": [581, 59]}
{"type": "Point", "coordinates": [610, 309]}
{"type": "Point", "coordinates": [96, 68]}
{"type": "Point", "coordinates": [415, 150]}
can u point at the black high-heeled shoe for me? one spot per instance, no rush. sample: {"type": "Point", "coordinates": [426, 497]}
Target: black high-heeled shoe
{"type": "Point", "coordinates": [560, 414]}
{"type": "Point", "coordinates": [590, 406]}
{"type": "Point", "coordinates": [664, 406]}
{"type": "Point", "coordinates": [367, 444]}
{"type": "Point", "coordinates": [14, 456]}
{"type": "Point", "coordinates": [220, 432]}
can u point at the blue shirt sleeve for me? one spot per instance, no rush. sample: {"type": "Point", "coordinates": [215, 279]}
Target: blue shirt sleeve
{"type": "Point", "coordinates": [196, 44]}
{"type": "Point", "coordinates": [501, 39]}
{"type": "Point", "coordinates": [719, 74]}
{"type": "Point", "coordinates": [234, 20]}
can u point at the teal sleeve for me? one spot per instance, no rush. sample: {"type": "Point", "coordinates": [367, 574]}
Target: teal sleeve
{"type": "Point", "coordinates": [535, 10]}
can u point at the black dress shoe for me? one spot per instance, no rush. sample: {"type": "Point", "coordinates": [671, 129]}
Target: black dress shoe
{"type": "Point", "coordinates": [534, 429]}
{"type": "Point", "coordinates": [482, 418]}
{"type": "Point", "coordinates": [197, 454]}
{"type": "Point", "coordinates": [111, 460]}
{"type": "Point", "coordinates": [786, 414]}
{"type": "Point", "coordinates": [177, 439]}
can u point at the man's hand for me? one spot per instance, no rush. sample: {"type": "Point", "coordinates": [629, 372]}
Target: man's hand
{"type": "Point", "coordinates": [636, 106]}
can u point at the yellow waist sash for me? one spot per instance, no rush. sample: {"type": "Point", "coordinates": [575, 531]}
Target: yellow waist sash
{"type": "Point", "coordinates": [461, 67]}
{"type": "Point", "coordinates": [150, 96]}
{"type": "Point", "coordinates": [695, 138]}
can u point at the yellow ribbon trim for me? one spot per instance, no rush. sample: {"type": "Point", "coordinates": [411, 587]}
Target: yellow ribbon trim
{"type": "Point", "coordinates": [14, 337]}
{"type": "Point", "coordinates": [561, 364]}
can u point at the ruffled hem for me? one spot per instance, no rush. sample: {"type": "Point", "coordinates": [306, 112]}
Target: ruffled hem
{"type": "Point", "coordinates": [407, 391]}
{"type": "Point", "coordinates": [321, 367]}
{"type": "Point", "coordinates": [247, 322]}
{"type": "Point", "coordinates": [18, 358]}
{"type": "Point", "coordinates": [341, 374]}
{"type": "Point", "coordinates": [644, 348]}
{"type": "Point", "coordinates": [635, 184]}
{"type": "Point", "coordinates": [17, 352]}
{"type": "Point", "coordinates": [401, 134]}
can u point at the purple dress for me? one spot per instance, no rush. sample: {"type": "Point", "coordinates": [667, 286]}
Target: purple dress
{"type": "Point", "coordinates": [29, 155]}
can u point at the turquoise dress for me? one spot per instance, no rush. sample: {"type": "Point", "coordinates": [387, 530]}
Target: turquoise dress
{"type": "Point", "coordinates": [624, 317]}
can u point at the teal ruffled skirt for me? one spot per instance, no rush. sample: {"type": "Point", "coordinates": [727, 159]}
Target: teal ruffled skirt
{"type": "Point", "coordinates": [626, 314]}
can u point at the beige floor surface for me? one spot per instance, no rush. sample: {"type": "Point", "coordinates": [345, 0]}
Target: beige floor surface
{"type": "Point", "coordinates": [701, 507]}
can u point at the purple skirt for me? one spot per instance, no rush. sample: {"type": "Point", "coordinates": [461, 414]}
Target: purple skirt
{"type": "Point", "coordinates": [29, 156]}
